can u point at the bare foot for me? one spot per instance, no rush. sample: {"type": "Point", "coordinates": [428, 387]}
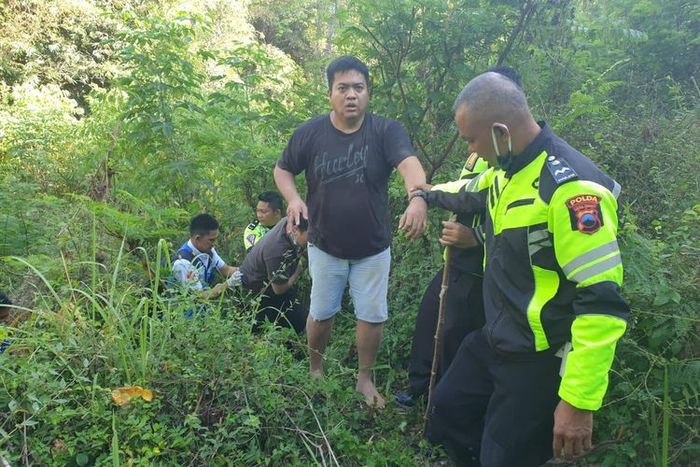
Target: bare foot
{"type": "Point", "coordinates": [372, 396]}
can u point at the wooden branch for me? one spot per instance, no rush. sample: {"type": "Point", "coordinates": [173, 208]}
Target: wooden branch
{"type": "Point", "coordinates": [396, 66]}
{"type": "Point", "coordinates": [438, 333]}
{"type": "Point", "coordinates": [441, 160]}
{"type": "Point", "coordinates": [526, 13]}
{"type": "Point", "coordinates": [376, 40]}
{"type": "Point", "coordinates": [441, 78]}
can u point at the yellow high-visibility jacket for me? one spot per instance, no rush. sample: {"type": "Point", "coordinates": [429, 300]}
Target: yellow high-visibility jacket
{"type": "Point", "coordinates": [552, 267]}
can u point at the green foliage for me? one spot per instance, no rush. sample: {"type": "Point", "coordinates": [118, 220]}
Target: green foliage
{"type": "Point", "coordinates": [38, 124]}
{"type": "Point", "coordinates": [420, 55]}
{"type": "Point", "coordinates": [302, 28]}
{"type": "Point", "coordinates": [59, 42]}
{"type": "Point", "coordinates": [210, 406]}
{"type": "Point", "coordinates": [120, 120]}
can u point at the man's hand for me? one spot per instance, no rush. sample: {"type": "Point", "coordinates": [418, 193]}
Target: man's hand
{"type": "Point", "coordinates": [573, 430]}
{"type": "Point", "coordinates": [457, 235]}
{"type": "Point", "coordinates": [295, 210]}
{"type": "Point", "coordinates": [227, 271]}
{"type": "Point", "coordinates": [415, 218]}
{"type": "Point", "coordinates": [215, 291]}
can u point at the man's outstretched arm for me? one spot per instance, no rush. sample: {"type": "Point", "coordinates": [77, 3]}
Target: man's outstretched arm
{"type": "Point", "coordinates": [415, 218]}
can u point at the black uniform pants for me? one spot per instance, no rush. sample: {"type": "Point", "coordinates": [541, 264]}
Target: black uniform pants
{"type": "Point", "coordinates": [284, 309]}
{"type": "Point", "coordinates": [464, 312]}
{"type": "Point", "coordinates": [493, 409]}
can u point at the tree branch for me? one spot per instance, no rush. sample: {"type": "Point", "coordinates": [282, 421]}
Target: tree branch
{"type": "Point", "coordinates": [526, 13]}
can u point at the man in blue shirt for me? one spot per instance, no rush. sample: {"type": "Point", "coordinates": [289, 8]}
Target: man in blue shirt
{"type": "Point", "coordinates": [197, 259]}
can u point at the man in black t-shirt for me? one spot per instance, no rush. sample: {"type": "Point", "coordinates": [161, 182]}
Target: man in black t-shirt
{"type": "Point", "coordinates": [347, 157]}
{"type": "Point", "coordinates": [272, 268]}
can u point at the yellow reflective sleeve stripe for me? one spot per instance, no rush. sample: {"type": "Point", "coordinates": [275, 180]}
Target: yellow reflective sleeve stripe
{"type": "Point", "coordinates": [482, 181]}
{"type": "Point", "coordinates": [536, 240]}
{"type": "Point", "coordinates": [474, 183]}
{"type": "Point", "coordinates": [590, 257]}
{"type": "Point", "coordinates": [478, 183]}
{"type": "Point", "coordinates": [546, 285]}
{"type": "Point", "coordinates": [450, 187]}
{"type": "Point", "coordinates": [599, 271]}
{"type": "Point", "coordinates": [593, 340]}
{"type": "Point", "coordinates": [586, 257]}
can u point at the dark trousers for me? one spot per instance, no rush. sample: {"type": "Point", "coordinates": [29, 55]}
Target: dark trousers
{"type": "Point", "coordinates": [464, 312]}
{"type": "Point", "coordinates": [494, 409]}
{"type": "Point", "coordinates": [284, 310]}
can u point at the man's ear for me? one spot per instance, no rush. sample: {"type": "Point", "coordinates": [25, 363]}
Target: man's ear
{"type": "Point", "coordinates": [501, 128]}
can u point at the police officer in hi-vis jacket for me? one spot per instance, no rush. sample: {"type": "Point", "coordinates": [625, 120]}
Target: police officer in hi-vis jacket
{"type": "Point", "coordinates": [524, 388]}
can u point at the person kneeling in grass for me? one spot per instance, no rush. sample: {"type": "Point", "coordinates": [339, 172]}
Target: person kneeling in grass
{"type": "Point", "coordinates": [271, 269]}
{"type": "Point", "coordinates": [197, 259]}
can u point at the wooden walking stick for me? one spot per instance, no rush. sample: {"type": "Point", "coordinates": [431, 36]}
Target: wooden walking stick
{"type": "Point", "coordinates": [438, 331]}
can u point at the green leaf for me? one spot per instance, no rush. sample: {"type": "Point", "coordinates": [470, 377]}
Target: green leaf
{"type": "Point", "coordinates": [82, 459]}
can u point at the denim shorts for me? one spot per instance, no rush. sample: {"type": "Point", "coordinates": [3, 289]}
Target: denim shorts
{"type": "Point", "coordinates": [368, 279]}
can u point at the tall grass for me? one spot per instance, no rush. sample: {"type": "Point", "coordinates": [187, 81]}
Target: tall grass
{"type": "Point", "coordinates": [221, 394]}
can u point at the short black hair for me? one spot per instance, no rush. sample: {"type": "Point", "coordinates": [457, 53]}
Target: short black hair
{"type": "Point", "coordinates": [346, 63]}
{"type": "Point", "coordinates": [509, 73]}
{"type": "Point", "coordinates": [272, 198]}
{"type": "Point", "coordinates": [202, 224]}
{"type": "Point", "coordinates": [495, 97]}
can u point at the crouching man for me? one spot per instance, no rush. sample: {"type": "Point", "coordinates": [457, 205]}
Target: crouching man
{"type": "Point", "coordinates": [271, 269]}
{"type": "Point", "coordinates": [197, 259]}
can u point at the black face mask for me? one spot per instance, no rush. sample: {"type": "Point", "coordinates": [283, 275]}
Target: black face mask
{"type": "Point", "coordinates": [505, 162]}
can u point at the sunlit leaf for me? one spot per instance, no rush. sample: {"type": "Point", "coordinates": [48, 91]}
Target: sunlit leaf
{"type": "Point", "coordinates": [123, 395]}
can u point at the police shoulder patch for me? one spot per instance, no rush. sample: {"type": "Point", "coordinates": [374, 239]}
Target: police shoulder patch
{"type": "Point", "coordinates": [560, 170]}
{"type": "Point", "coordinates": [251, 239]}
{"type": "Point", "coordinates": [585, 213]}
{"type": "Point", "coordinates": [471, 161]}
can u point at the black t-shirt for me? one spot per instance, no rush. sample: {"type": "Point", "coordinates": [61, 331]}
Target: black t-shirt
{"type": "Point", "coordinates": [347, 177]}
{"type": "Point", "coordinates": [272, 259]}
